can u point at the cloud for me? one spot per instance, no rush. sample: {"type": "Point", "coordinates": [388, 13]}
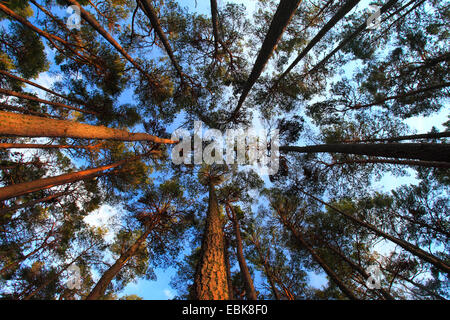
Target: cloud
{"type": "Point", "coordinates": [168, 293]}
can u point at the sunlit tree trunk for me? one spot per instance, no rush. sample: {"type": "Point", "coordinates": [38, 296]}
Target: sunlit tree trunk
{"type": "Point", "coordinates": [210, 281]}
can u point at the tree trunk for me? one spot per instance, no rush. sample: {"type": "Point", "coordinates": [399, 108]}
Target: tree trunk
{"type": "Point", "coordinates": [267, 270]}
{"type": "Point", "coordinates": [32, 203]}
{"type": "Point", "coordinates": [280, 21]}
{"type": "Point", "coordinates": [153, 17]}
{"type": "Point", "coordinates": [20, 189]}
{"type": "Point", "coordinates": [349, 5]}
{"type": "Point", "coordinates": [94, 24]}
{"type": "Point", "coordinates": [402, 95]}
{"type": "Point", "coordinates": [215, 25]}
{"type": "Point", "coordinates": [423, 151]}
{"type": "Point", "coordinates": [99, 290]}
{"type": "Point", "coordinates": [344, 42]}
{"type": "Point", "coordinates": [227, 263]}
{"type": "Point", "coordinates": [49, 146]}
{"type": "Point", "coordinates": [419, 163]}
{"type": "Point", "coordinates": [432, 135]}
{"type": "Point", "coordinates": [31, 126]}
{"type": "Point", "coordinates": [39, 86]}
{"type": "Point", "coordinates": [51, 103]}
{"type": "Point", "coordinates": [354, 265]}
{"type": "Point", "coordinates": [248, 282]}
{"type": "Point", "coordinates": [331, 274]}
{"type": "Point", "coordinates": [438, 263]}
{"type": "Point", "coordinates": [210, 280]}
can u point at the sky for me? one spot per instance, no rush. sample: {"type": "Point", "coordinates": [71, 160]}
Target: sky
{"type": "Point", "coordinates": [160, 289]}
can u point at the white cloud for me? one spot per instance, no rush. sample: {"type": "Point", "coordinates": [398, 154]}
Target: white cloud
{"type": "Point", "coordinates": [168, 293]}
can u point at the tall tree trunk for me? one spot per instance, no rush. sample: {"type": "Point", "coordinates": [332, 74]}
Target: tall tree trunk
{"type": "Point", "coordinates": [435, 261]}
{"type": "Point", "coordinates": [50, 146]}
{"type": "Point", "coordinates": [99, 290]}
{"type": "Point", "coordinates": [344, 42]}
{"type": "Point", "coordinates": [280, 21]}
{"type": "Point", "coordinates": [154, 21]}
{"type": "Point", "coordinates": [267, 270]}
{"type": "Point", "coordinates": [331, 274]}
{"type": "Point", "coordinates": [419, 163]}
{"type": "Point", "coordinates": [248, 282]}
{"type": "Point", "coordinates": [402, 95]}
{"type": "Point", "coordinates": [432, 135]}
{"type": "Point", "coordinates": [31, 126]}
{"type": "Point", "coordinates": [210, 280]}
{"type": "Point", "coordinates": [40, 87]}
{"type": "Point", "coordinates": [423, 151]}
{"type": "Point", "coordinates": [228, 266]}
{"type": "Point", "coordinates": [55, 104]}
{"type": "Point", "coordinates": [20, 189]}
{"type": "Point", "coordinates": [94, 24]}
{"type": "Point", "coordinates": [32, 203]}
{"type": "Point", "coordinates": [349, 5]}
{"type": "Point", "coordinates": [354, 265]}
{"type": "Point", "coordinates": [215, 25]}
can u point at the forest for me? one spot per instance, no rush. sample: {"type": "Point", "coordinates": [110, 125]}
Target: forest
{"type": "Point", "coordinates": [352, 98]}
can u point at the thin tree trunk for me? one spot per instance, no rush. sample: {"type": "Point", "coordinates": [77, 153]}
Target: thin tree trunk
{"type": "Point", "coordinates": [354, 265]}
{"type": "Point", "coordinates": [285, 11]}
{"type": "Point", "coordinates": [40, 87]}
{"type": "Point", "coordinates": [267, 270]}
{"type": "Point", "coordinates": [333, 276]}
{"type": "Point", "coordinates": [32, 203]}
{"type": "Point", "coordinates": [99, 290]}
{"type": "Point", "coordinates": [94, 24]}
{"type": "Point", "coordinates": [433, 135]}
{"type": "Point", "coordinates": [55, 104]}
{"type": "Point", "coordinates": [210, 280]}
{"type": "Point", "coordinates": [49, 146]}
{"type": "Point", "coordinates": [30, 126]}
{"type": "Point", "coordinates": [4, 106]}
{"type": "Point", "coordinates": [431, 164]}
{"type": "Point", "coordinates": [215, 25]}
{"type": "Point", "coordinates": [248, 282]}
{"type": "Point", "coordinates": [423, 151]}
{"type": "Point", "coordinates": [227, 263]}
{"type": "Point", "coordinates": [153, 17]}
{"type": "Point", "coordinates": [435, 261]}
{"type": "Point", "coordinates": [349, 5]}
{"type": "Point", "coordinates": [403, 95]}
{"type": "Point", "coordinates": [23, 188]}
{"type": "Point", "coordinates": [344, 42]}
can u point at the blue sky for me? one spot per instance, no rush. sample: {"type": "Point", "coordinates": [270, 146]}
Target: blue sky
{"type": "Point", "coordinates": [160, 289]}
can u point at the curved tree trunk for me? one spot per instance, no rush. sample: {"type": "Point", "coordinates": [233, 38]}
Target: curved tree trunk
{"type": "Point", "coordinates": [267, 270]}
{"type": "Point", "coordinates": [32, 203]}
{"type": "Point", "coordinates": [423, 151]}
{"type": "Point", "coordinates": [280, 21]}
{"type": "Point", "coordinates": [32, 126]}
{"type": "Point", "coordinates": [210, 280]}
{"type": "Point", "coordinates": [432, 135]}
{"type": "Point", "coordinates": [99, 290]}
{"type": "Point", "coordinates": [249, 287]}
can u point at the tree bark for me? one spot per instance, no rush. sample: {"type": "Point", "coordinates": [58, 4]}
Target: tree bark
{"type": "Point", "coordinates": [30, 126]}
{"type": "Point", "coordinates": [331, 274]}
{"type": "Point", "coordinates": [433, 135]}
{"type": "Point", "coordinates": [55, 104]}
{"type": "Point", "coordinates": [280, 21]}
{"type": "Point", "coordinates": [423, 151]}
{"type": "Point", "coordinates": [23, 188]}
{"type": "Point", "coordinates": [419, 163]}
{"type": "Point", "coordinates": [267, 270]}
{"type": "Point", "coordinates": [248, 282]}
{"type": "Point", "coordinates": [215, 25]}
{"type": "Point", "coordinates": [349, 5]}
{"type": "Point", "coordinates": [435, 261]}
{"type": "Point", "coordinates": [210, 280]}
{"type": "Point", "coordinates": [94, 24]}
{"type": "Point", "coordinates": [99, 290]}
{"type": "Point", "coordinates": [154, 21]}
